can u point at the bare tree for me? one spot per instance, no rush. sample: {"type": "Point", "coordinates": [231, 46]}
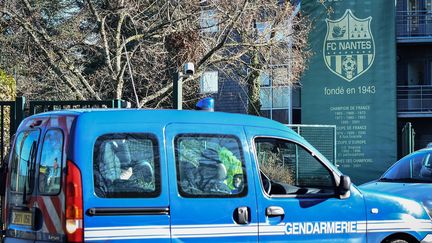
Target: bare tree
{"type": "Point", "coordinates": [94, 49]}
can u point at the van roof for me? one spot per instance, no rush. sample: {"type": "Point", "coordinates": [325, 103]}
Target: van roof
{"type": "Point", "coordinates": [166, 117]}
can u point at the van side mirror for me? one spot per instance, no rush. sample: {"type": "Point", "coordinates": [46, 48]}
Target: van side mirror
{"type": "Point", "coordinates": [344, 186]}
{"type": "Point", "coordinates": [3, 175]}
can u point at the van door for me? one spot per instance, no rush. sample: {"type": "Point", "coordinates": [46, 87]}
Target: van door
{"type": "Point", "coordinates": [50, 196]}
{"type": "Point", "coordinates": [212, 194]}
{"type": "Point", "coordinates": [125, 182]}
{"type": "Point", "coordinates": [299, 199]}
{"type": "Point", "coordinates": [20, 211]}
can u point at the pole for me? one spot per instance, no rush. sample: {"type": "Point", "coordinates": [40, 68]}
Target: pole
{"type": "Point", "coordinates": [178, 91]}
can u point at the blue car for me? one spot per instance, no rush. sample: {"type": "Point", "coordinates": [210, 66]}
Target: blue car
{"type": "Point", "coordinates": [410, 177]}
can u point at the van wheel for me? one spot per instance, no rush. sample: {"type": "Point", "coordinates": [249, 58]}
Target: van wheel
{"type": "Point", "coordinates": [396, 241]}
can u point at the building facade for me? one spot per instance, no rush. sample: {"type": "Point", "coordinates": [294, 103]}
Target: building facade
{"type": "Point", "coordinates": [414, 67]}
{"type": "Point", "coordinates": [413, 71]}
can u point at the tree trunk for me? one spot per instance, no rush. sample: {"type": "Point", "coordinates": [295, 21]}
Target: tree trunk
{"type": "Point", "coordinates": [254, 104]}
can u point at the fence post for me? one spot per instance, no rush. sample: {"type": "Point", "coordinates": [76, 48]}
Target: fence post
{"type": "Point", "coordinates": [116, 103]}
{"type": "Point", "coordinates": [119, 103]}
{"type": "Point", "coordinates": [19, 110]}
{"type": "Point", "coordinates": [408, 136]}
{"type": "Point", "coordinates": [16, 114]}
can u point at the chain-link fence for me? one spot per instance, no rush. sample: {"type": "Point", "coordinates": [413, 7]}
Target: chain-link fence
{"type": "Point", "coordinates": [322, 137]}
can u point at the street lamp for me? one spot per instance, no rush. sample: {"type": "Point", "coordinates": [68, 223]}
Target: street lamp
{"type": "Point", "coordinates": [189, 70]}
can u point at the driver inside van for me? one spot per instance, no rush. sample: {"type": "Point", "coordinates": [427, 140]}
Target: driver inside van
{"type": "Point", "coordinates": [212, 173]}
{"type": "Point", "coordinates": [117, 171]}
{"type": "Point", "coordinates": [115, 161]}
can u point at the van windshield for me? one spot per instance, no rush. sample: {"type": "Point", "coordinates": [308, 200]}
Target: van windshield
{"type": "Point", "coordinates": [416, 167]}
{"type": "Point", "coordinates": [126, 165]}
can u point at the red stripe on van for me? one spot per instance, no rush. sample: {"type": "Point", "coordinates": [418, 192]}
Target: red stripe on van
{"type": "Point", "coordinates": [63, 125]}
{"type": "Point", "coordinates": [57, 205]}
{"type": "Point", "coordinates": [46, 216]}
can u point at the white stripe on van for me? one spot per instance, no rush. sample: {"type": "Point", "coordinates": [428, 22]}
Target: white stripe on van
{"type": "Point", "coordinates": [215, 230]}
{"type": "Point", "coordinates": [231, 230]}
{"type": "Point", "coordinates": [126, 227]}
{"type": "Point", "coordinates": [54, 123]}
{"type": "Point", "coordinates": [69, 120]}
{"type": "Point", "coordinates": [52, 213]}
{"type": "Point", "coordinates": [126, 232]}
{"type": "Point", "coordinates": [44, 227]}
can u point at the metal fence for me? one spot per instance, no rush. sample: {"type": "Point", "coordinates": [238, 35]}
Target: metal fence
{"type": "Point", "coordinates": [43, 106]}
{"type": "Point", "coordinates": [413, 24]}
{"type": "Point", "coordinates": [414, 98]}
{"type": "Point", "coordinates": [322, 137]}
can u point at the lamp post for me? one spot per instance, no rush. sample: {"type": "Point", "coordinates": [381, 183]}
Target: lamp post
{"type": "Point", "coordinates": [178, 91]}
{"type": "Point", "coordinates": [189, 70]}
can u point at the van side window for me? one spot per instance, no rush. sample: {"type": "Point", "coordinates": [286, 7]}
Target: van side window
{"type": "Point", "coordinates": [210, 166]}
{"type": "Point", "coordinates": [126, 165]}
{"type": "Point", "coordinates": [23, 161]}
{"type": "Point", "coordinates": [51, 162]}
{"type": "Point", "coordinates": [287, 168]}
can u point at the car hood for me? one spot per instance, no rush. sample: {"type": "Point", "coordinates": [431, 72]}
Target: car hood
{"type": "Point", "coordinates": [420, 192]}
{"type": "Point", "coordinates": [386, 212]}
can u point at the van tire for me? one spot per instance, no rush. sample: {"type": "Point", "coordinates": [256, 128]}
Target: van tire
{"type": "Point", "coordinates": [396, 241]}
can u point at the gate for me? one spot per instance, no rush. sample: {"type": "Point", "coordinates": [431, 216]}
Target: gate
{"type": "Point", "coordinates": [43, 106]}
{"type": "Point", "coordinates": [322, 137]}
{"type": "Point", "coordinates": [10, 116]}
{"type": "Point", "coordinates": [408, 135]}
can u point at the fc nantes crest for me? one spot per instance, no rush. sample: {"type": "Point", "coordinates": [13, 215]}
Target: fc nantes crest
{"type": "Point", "coordinates": [349, 48]}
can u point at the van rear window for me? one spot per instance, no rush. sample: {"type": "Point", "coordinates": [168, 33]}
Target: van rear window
{"type": "Point", "coordinates": [126, 165]}
{"type": "Point", "coordinates": [51, 163]}
{"type": "Point", "coordinates": [23, 161]}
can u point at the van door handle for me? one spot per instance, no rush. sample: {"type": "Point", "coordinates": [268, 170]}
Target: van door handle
{"type": "Point", "coordinates": [275, 211]}
{"type": "Point", "coordinates": [241, 215]}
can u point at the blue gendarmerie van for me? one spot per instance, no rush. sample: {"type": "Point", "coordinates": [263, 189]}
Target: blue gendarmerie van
{"type": "Point", "coordinates": [187, 176]}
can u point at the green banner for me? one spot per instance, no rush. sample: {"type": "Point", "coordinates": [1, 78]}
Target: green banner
{"type": "Point", "coordinates": [351, 81]}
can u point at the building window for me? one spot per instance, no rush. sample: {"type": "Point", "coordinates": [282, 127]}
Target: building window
{"type": "Point", "coordinates": [208, 21]}
{"type": "Point", "coordinates": [275, 94]}
{"type": "Point", "coordinates": [265, 29]}
{"type": "Point", "coordinates": [23, 161]}
{"type": "Point", "coordinates": [264, 79]}
{"type": "Point", "coordinates": [209, 82]}
{"type": "Point", "coordinates": [415, 17]}
{"type": "Point", "coordinates": [416, 72]}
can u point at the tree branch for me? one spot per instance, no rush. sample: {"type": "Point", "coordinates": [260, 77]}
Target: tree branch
{"type": "Point", "coordinates": [106, 46]}
{"type": "Point", "coordinates": [93, 10]}
{"type": "Point", "coordinates": [224, 37]}
{"type": "Point", "coordinates": [70, 66]}
{"type": "Point", "coordinates": [51, 62]}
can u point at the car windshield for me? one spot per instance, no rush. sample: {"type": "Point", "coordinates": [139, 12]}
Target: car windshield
{"type": "Point", "coordinates": [413, 168]}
